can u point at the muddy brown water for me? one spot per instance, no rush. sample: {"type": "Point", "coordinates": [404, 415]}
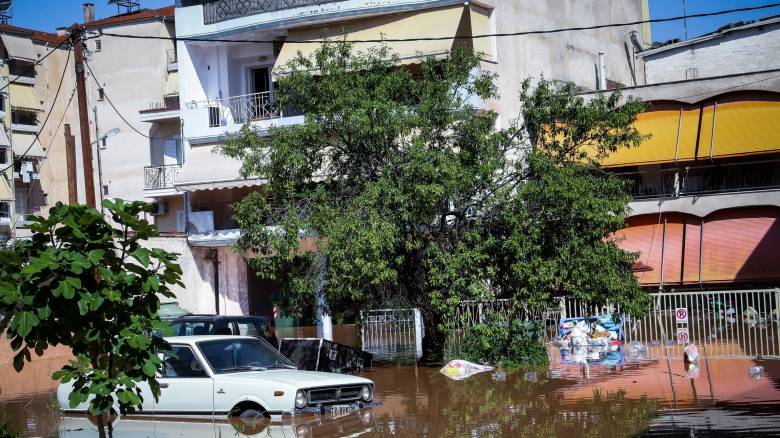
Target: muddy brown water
{"type": "Point", "coordinates": [651, 398]}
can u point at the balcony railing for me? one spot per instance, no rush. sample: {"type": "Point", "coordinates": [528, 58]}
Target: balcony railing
{"type": "Point", "coordinates": [724, 178]}
{"type": "Point", "coordinates": [239, 109]}
{"type": "Point", "coordinates": [160, 177]}
{"type": "Point", "coordinates": [215, 11]}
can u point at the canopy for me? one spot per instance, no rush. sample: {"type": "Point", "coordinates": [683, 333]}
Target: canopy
{"type": "Point", "coordinates": [23, 97]}
{"type": "Point", "coordinates": [205, 169]}
{"type": "Point", "coordinates": [716, 129]}
{"type": "Point", "coordinates": [172, 84]}
{"type": "Point", "coordinates": [23, 141]}
{"type": "Point", "coordinates": [19, 48]}
{"type": "Point", "coordinates": [445, 22]}
{"type": "Point", "coordinates": [4, 141]}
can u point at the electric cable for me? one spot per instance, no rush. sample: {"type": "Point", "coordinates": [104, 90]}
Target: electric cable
{"type": "Point", "coordinates": [116, 110]}
{"type": "Point", "coordinates": [48, 114]}
{"type": "Point", "coordinates": [502, 34]}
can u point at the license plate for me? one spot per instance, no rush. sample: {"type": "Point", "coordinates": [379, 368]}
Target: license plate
{"type": "Point", "coordinates": [341, 410]}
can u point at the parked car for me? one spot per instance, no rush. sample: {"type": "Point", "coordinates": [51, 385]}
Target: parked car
{"type": "Point", "coordinates": [241, 376]}
{"type": "Point", "coordinates": [198, 325]}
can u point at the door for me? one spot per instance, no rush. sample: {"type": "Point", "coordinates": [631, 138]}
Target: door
{"type": "Point", "coordinates": [185, 387]}
{"type": "Point", "coordinates": [171, 152]}
{"type": "Point", "coordinates": [261, 107]}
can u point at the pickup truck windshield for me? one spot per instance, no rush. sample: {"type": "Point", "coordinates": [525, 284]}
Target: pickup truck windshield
{"type": "Point", "coordinates": [230, 356]}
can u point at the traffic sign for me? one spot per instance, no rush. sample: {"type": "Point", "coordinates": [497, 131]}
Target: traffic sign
{"type": "Point", "coordinates": [681, 314]}
{"type": "Point", "coordinates": [683, 336]}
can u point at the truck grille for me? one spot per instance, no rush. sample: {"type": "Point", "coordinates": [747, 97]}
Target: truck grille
{"type": "Point", "coordinates": [334, 394]}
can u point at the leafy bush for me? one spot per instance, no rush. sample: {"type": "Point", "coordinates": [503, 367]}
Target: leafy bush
{"type": "Point", "coordinates": [509, 344]}
{"type": "Point", "coordinates": [7, 432]}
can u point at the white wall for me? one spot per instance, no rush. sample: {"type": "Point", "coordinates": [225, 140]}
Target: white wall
{"type": "Point", "coordinates": [737, 52]}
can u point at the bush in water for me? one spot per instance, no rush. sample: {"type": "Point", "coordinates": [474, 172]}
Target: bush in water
{"type": "Point", "coordinates": [509, 344]}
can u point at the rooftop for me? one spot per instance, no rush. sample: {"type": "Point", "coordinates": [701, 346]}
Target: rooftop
{"type": "Point", "coordinates": [166, 13]}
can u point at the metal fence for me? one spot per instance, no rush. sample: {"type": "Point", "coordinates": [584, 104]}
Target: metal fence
{"type": "Point", "coordinates": [723, 324]}
{"type": "Point", "coordinates": [392, 334]}
{"type": "Point", "coordinates": [239, 109]}
{"type": "Point", "coordinates": [160, 177]}
{"type": "Point", "coordinates": [215, 11]}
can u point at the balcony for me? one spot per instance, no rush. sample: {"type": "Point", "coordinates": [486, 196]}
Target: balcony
{"type": "Point", "coordinates": [160, 177]}
{"type": "Point", "coordinates": [705, 180]}
{"type": "Point", "coordinates": [216, 11]}
{"type": "Point", "coordinates": [238, 110]}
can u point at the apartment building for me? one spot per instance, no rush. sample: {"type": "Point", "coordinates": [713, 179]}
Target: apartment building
{"type": "Point", "coordinates": [224, 85]}
{"type": "Point", "coordinates": [706, 185]}
{"type": "Point", "coordinates": [24, 105]}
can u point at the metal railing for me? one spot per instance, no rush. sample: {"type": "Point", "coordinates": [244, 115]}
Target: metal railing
{"type": "Point", "coordinates": [215, 11]}
{"type": "Point", "coordinates": [723, 324]}
{"type": "Point", "coordinates": [392, 334]}
{"type": "Point", "coordinates": [239, 109]}
{"type": "Point", "coordinates": [160, 177]}
{"type": "Point", "coordinates": [702, 180]}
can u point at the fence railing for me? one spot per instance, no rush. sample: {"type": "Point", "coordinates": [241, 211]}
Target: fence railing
{"type": "Point", "coordinates": [215, 11]}
{"type": "Point", "coordinates": [708, 179]}
{"type": "Point", "coordinates": [160, 177]}
{"type": "Point", "coordinates": [724, 324]}
{"type": "Point", "coordinates": [392, 334]}
{"type": "Point", "coordinates": [239, 109]}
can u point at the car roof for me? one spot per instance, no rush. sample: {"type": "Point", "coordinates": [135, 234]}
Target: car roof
{"type": "Point", "coordinates": [215, 317]}
{"type": "Point", "coordinates": [194, 339]}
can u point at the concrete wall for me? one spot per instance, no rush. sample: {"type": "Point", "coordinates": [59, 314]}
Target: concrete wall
{"type": "Point", "coordinates": [737, 52]}
{"type": "Point", "coordinates": [568, 56]}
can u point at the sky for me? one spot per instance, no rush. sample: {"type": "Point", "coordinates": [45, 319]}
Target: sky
{"type": "Point", "coordinates": [49, 14]}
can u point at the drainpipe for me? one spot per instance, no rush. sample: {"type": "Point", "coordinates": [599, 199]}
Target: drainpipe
{"type": "Point", "coordinates": [99, 158]}
{"type": "Point", "coordinates": [214, 257]}
{"type": "Point", "coordinates": [602, 72]}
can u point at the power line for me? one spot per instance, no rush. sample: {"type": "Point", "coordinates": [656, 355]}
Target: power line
{"type": "Point", "coordinates": [108, 99]}
{"type": "Point", "coordinates": [53, 137]}
{"type": "Point", "coordinates": [48, 114]}
{"type": "Point", "coordinates": [503, 34]}
{"type": "Point", "coordinates": [36, 63]}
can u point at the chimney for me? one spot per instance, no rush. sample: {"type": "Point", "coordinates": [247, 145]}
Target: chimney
{"type": "Point", "coordinates": [89, 12]}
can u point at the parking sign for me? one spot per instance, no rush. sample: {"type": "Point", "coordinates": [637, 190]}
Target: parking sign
{"type": "Point", "coordinates": [683, 336]}
{"type": "Point", "coordinates": [681, 314]}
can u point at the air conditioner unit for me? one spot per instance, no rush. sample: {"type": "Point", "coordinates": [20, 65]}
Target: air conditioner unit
{"type": "Point", "coordinates": [159, 208]}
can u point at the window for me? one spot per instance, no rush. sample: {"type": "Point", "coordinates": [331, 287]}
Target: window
{"type": "Point", "coordinates": [190, 328]}
{"type": "Point", "coordinates": [247, 328]}
{"type": "Point", "coordinates": [105, 190]}
{"type": "Point", "coordinates": [3, 155]}
{"type": "Point", "coordinates": [98, 45]}
{"type": "Point", "coordinates": [227, 356]}
{"type": "Point", "coordinates": [101, 94]}
{"type": "Point", "coordinates": [5, 210]}
{"type": "Point", "coordinates": [180, 361]}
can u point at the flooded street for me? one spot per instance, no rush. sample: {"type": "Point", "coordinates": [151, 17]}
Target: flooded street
{"type": "Point", "coordinates": [652, 398]}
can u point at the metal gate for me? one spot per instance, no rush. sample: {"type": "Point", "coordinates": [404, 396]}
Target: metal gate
{"type": "Point", "coordinates": [392, 334]}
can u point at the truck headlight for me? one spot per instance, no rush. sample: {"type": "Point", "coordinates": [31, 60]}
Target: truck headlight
{"type": "Point", "coordinates": [365, 393]}
{"type": "Point", "coordinates": [300, 399]}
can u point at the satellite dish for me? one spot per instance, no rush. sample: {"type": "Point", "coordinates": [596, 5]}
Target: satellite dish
{"type": "Point", "coordinates": [128, 5]}
{"type": "Point", "coordinates": [5, 6]}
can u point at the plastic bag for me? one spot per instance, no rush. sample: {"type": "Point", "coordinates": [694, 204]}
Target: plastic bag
{"type": "Point", "coordinates": [691, 353]}
{"type": "Point", "coordinates": [636, 350]}
{"type": "Point", "coordinates": [463, 369]}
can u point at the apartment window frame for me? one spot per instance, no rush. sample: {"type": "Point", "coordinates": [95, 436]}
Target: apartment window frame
{"type": "Point", "coordinates": [98, 45]}
{"type": "Point", "coordinates": [101, 94]}
{"type": "Point", "coordinates": [3, 155]}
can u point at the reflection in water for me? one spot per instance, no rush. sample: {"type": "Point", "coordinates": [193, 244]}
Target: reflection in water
{"type": "Point", "coordinates": [651, 398]}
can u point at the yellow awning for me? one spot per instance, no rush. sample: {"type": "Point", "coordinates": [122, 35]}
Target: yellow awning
{"type": "Point", "coordinates": [443, 22]}
{"type": "Point", "coordinates": [23, 97]}
{"type": "Point", "coordinates": [747, 127]}
{"type": "Point", "coordinates": [6, 192]}
{"type": "Point", "coordinates": [26, 144]}
{"type": "Point", "coordinates": [172, 84]}
{"type": "Point", "coordinates": [480, 25]}
{"type": "Point", "coordinates": [660, 147]}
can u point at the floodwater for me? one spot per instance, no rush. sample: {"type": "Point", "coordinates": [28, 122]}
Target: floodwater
{"type": "Point", "coordinates": [651, 398]}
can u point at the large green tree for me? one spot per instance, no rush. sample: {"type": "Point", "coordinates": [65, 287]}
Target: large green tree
{"type": "Point", "coordinates": [89, 283]}
{"type": "Point", "coordinates": [415, 198]}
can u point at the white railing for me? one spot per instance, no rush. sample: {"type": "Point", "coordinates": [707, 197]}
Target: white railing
{"type": "Point", "coordinates": [724, 324]}
{"type": "Point", "coordinates": [392, 334]}
{"type": "Point", "coordinates": [239, 109]}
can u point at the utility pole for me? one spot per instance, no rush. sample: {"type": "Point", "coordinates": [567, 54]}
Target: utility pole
{"type": "Point", "coordinates": [81, 89]}
{"type": "Point", "coordinates": [70, 157]}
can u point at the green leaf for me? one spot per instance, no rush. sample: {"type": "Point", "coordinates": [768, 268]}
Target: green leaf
{"type": "Point", "coordinates": [24, 322]}
{"type": "Point", "coordinates": [96, 255]}
{"type": "Point", "coordinates": [149, 368]}
{"type": "Point", "coordinates": [44, 312]}
{"type": "Point", "coordinates": [142, 255]}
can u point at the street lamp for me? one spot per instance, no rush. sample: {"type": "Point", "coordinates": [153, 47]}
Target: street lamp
{"type": "Point", "coordinates": [108, 134]}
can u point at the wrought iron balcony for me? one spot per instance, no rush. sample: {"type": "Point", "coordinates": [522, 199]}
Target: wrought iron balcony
{"type": "Point", "coordinates": [239, 109]}
{"type": "Point", "coordinates": [215, 11]}
{"type": "Point", "coordinates": [160, 177]}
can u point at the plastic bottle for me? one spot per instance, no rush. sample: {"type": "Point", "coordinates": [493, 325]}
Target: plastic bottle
{"type": "Point", "coordinates": [755, 372]}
